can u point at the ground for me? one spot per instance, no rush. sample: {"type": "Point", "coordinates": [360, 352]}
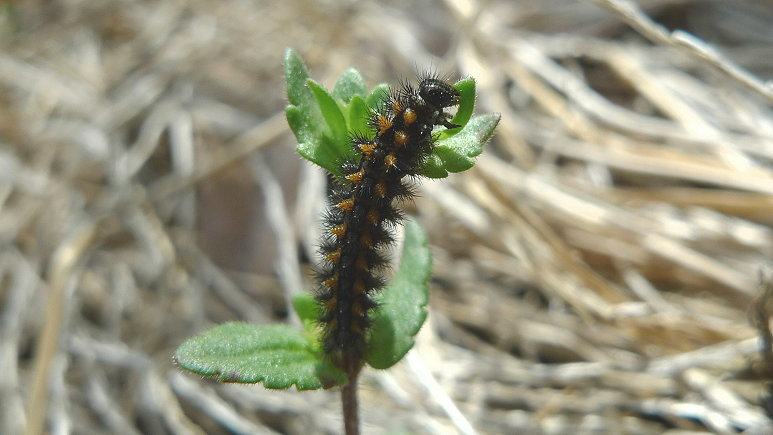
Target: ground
{"type": "Point", "coordinates": [598, 271]}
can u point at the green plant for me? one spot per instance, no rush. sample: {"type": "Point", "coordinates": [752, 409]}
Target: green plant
{"type": "Point", "coordinates": [281, 356]}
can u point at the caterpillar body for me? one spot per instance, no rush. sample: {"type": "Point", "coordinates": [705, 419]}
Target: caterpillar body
{"type": "Point", "coordinates": [363, 210]}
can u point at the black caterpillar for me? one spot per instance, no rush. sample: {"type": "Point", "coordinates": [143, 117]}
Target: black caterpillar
{"type": "Point", "coordinates": [362, 213]}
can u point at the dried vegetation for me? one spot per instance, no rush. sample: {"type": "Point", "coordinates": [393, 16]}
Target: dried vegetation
{"type": "Point", "coordinates": [598, 271]}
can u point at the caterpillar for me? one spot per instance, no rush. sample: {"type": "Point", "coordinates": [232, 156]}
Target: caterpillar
{"type": "Point", "coordinates": [363, 212]}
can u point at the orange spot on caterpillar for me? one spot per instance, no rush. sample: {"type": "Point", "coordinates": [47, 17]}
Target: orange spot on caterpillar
{"type": "Point", "coordinates": [366, 240]}
{"type": "Point", "coordinates": [373, 216]}
{"type": "Point", "coordinates": [331, 282]}
{"type": "Point", "coordinates": [384, 123]}
{"type": "Point", "coordinates": [357, 308]}
{"type": "Point", "coordinates": [409, 116]}
{"type": "Point", "coordinates": [390, 160]}
{"type": "Point", "coordinates": [401, 138]}
{"type": "Point", "coordinates": [356, 177]}
{"type": "Point", "coordinates": [338, 231]}
{"type": "Point", "coordinates": [367, 148]}
{"type": "Point", "coordinates": [359, 286]}
{"type": "Point", "coordinates": [346, 204]}
{"type": "Point", "coordinates": [331, 303]}
{"type": "Point", "coordinates": [333, 256]}
{"type": "Point", "coordinates": [396, 106]}
{"type": "Point", "coordinates": [356, 328]}
{"type": "Point", "coordinates": [381, 188]}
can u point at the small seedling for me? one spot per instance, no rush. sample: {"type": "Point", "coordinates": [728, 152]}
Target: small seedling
{"type": "Point", "coordinates": [369, 142]}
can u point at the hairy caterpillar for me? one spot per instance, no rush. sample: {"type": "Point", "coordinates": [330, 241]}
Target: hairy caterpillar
{"type": "Point", "coordinates": [363, 211]}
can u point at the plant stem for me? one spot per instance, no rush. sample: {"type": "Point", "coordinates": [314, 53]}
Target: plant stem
{"type": "Point", "coordinates": [349, 403]}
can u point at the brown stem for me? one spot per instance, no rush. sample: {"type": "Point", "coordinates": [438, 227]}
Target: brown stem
{"type": "Point", "coordinates": [349, 403]}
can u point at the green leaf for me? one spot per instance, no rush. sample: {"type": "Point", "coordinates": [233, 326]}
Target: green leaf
{"type": "Point", "coordinates": [348, 85]}
{"type": "Point", "coordinates": [321, 151]}
{"type": "Point", "coordinates": [277, 355]}
{"type": "Point", "coordinates": [466, 88]}
{"type": "Point", "coordinates": [308, 311]}
{"type": "Point", "coordinates": [296, 75]}
{"type": "Point", "coordinates": [331, 112]}
{"type": "Point", "coordinates": [401, 312]}
{"type": "Point", "coordinates": [433, 167]}
{"type": "Point", "coordinates": [378, 96]}
{"type": "Point", "coordinates": [359, 112]}
{"type": "Point", "coordinates": [305, 117]}
{"type": "Point", "coordinates": [456, 153]}
{"type": "Point", "coordinates": [298, 123]}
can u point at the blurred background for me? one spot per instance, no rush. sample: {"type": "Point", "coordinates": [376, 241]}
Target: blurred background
{"type": "Point", "coordinates": [598, 271]}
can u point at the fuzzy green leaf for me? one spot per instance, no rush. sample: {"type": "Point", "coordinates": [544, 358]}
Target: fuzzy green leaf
{"type": "Point", "coordinates": [466, 88]}
{"type": "Point", "coordinates": [300, 125]}
{"type": "Point", "coordinates": [296, 75]}
{"type": "Point", "coordinates": [277, 355]}
{"type": "Point", "coordinates": [322, 152]}
{"type": "Point", "coordinates": [303, 114]}
{"type": "Point", "coordinates": [305, 117]}
{"type": "Point", "coordinates": [455, 154]}
{"type": "Point", "coordinates": [378, 96]}
{"type": "Point", "coordinates": [331, 112]}
{"type": "Point", "coordinates": [348, 85]}
{"type": "Point", "coordinates": [359, 112]}
{"type": "Point", "coordinates": [401, 311]}
{"type": "Point", "coordinates": [433, 167]}
{"type": "Point", "coordinates": [308, 311]}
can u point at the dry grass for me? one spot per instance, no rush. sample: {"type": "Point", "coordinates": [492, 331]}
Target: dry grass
{"type": "Point", "coordinates": [593, 273]}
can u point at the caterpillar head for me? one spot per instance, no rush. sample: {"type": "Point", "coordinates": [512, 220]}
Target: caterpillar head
{"type": "Point", "coordinates": [438, 93]}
